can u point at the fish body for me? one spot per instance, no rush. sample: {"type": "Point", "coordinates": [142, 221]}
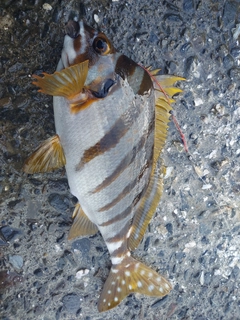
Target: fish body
{"type": "Point", "coordinates": [106, 118]}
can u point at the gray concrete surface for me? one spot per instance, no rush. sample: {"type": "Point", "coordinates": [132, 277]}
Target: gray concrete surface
{"type": "Point", "coordinates": [194, 238]}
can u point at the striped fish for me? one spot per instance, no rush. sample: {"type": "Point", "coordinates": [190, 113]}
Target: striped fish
{"type": "Point", "coordinates": [111, 119]}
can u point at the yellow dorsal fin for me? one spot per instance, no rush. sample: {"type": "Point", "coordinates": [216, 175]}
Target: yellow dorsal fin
{"type": "Point", "coordinates": [164, 91]}
{"type": "Point", "coordinates": [65, 83]}
{"type": "Point", "coordinates": [151, 198]}
{"type": "Point", "coordinates": [82, 226]}
{"type": "Point", "coordinates": [128, 277]}
{"type": "Point", "coordinates": [48, 156]}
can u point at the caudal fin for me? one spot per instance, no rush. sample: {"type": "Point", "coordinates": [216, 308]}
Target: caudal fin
{"type": "Point", "coordinates": [128, 277]}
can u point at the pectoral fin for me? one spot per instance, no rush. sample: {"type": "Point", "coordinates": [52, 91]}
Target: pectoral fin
{"type": "Point", "coordinates": [66, 83]}
{"type": "Point", "coordinates": [82, 226]}
{"type": "Point", "coordinates": [48, 156]}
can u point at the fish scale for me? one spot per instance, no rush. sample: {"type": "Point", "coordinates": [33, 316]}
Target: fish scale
{"type": "Point", "coordinates": [111, 120]}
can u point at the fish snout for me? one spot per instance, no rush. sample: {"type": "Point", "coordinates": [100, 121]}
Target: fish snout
{"type": "Point", "coordinates": [72, 29]}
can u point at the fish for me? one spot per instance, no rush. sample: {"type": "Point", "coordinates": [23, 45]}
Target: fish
{"type": "Point", "coordinates": [111, 118]}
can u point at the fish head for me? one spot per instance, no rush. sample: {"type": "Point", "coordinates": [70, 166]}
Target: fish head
{"type": "Point", "coordinates": [83, 43]}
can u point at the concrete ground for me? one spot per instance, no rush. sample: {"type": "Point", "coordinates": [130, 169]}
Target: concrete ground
{"type": "Point", "coordinates": [194, 237]}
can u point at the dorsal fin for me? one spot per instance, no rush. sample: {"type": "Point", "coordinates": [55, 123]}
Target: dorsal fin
{"type": "Point", "coordinates": [81, 226]}
{"type": "Point", "coordinates": [164, 92]}
{"type": "Point", "coordinates": [48, 156]}
{"type": "Point", "coordinates": [65, 83]}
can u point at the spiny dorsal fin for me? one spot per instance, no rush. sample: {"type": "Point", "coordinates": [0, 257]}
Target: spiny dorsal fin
{"type": "Point", "coordinates": [164, 91]}
{"type": "Point", "coordinates": [65, 83]}
{"type": "Point", "coordinates": [82, 226]}
{"type": "Point", "coordinates": [48, 156]}
{"type": "Point", "coordinates": [128, 277]}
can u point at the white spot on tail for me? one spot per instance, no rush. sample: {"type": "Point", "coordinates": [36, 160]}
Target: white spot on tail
{"type": "Point", "coordinates": [166, 286]}
{"type": "Point", "coordinates": [115, 299]}
{"type": "Point", "coordinates": [139, 284]}
{"type": "Point", "coordinates": [119, 289]}
{"type": "Point", "coordinates": [113, 283]}
{"type": "Point", "coordinates": [161, 289]}
{"type": "Point", "coordinates": [150, 274]}
{"type": "Point", "coordinates": [130, 287]}
{"type": "Point", "coordinates": [114, 270]}
{"type": "Point", "coordinates": [109, 291]}
{"type": "Point", "coordinates": [123, 281]}
{"type": "Point", "coordinates": [109, 304]}
{"type": "Point", "coordinates": [127, 273]}
{"type": "Point", "coordinates": [104, 300]}
{"type": "Point", "coordinates": [150, 288]}
{"type": "Point", "coordinates": [159, 279]}
{"type": "Point", "coordinates": [142, 272]}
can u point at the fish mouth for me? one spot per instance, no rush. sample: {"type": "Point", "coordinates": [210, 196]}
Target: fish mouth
{"type": "Point", "coordinates": [72, 29]}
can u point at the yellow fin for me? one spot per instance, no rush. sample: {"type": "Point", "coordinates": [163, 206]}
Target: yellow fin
{"type": "Point", "coordinates": [145, 211]}
{"type": "Point", "coordinates": [128, 277]}
{"type": "Point", "coordinates": [82, 226]}
{"type": "Point", "coordinates": [163, 85]}
{"type": "Point", "coordinates": [165, 80]}
{"type": "Point", "coordinates": [48, 156]}
{"type": "Point", "coordinates": [164, 90]}
{"type": "Point", "coordinates": [154, 72]}
{"type": "Point", "coordinates": [66, 83]}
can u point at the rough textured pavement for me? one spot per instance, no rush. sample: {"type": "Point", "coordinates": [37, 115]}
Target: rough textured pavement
{"type": "Point", "coordinates": [194, 238]}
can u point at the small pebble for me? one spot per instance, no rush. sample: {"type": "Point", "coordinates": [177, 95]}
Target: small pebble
{"type": "Point", "coordinates": [16, 261]}
{"type": "Point", "coordinates": [47, 7]}
{"type": "Point", "coordinates": [81, 273]}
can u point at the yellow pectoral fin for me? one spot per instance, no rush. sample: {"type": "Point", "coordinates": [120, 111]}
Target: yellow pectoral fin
{"type": "Point", "coordinates": [82, 226]}
{"type": "Point", "coordinates": [66, 83]}
{"type": "Point", "coordinates": [48, 156]}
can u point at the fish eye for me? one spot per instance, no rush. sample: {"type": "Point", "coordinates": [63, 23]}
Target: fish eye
{"type": "Point", "coordinates": [101, 46]}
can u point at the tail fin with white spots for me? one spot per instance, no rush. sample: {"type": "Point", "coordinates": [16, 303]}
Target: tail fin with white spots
{"type": "Point", "coordinates": [128, 277]}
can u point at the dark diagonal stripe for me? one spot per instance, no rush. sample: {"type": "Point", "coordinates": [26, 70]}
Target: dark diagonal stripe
{"type": "Point", "coordinates": [121, 195]}
{"type": "Point", "coordinates": [118, 217]}
{"type": "Point", "coordinates": [127, 160]}
{"type": "Point", "coordinates": [113, 136]}
{"type": "Point", "coordinates": [128, 188]}
{"type": "Point", "coordinates": [110, 140]}
{"type": "Point", "coordinates": [120, 234]}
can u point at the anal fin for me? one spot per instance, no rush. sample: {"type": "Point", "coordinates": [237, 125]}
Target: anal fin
{"type": "Point", "coordinates": [128, 277]}
{"type": "Point", "coordinates": [81, 226]}
{"type": "Point", "coordinates": [145, 211]}
{"type": "Point", "coordinates": [48, 156]}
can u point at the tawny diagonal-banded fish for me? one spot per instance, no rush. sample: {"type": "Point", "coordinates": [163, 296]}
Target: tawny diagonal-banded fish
{"type": "Point", "coordinates": [111, 119]}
